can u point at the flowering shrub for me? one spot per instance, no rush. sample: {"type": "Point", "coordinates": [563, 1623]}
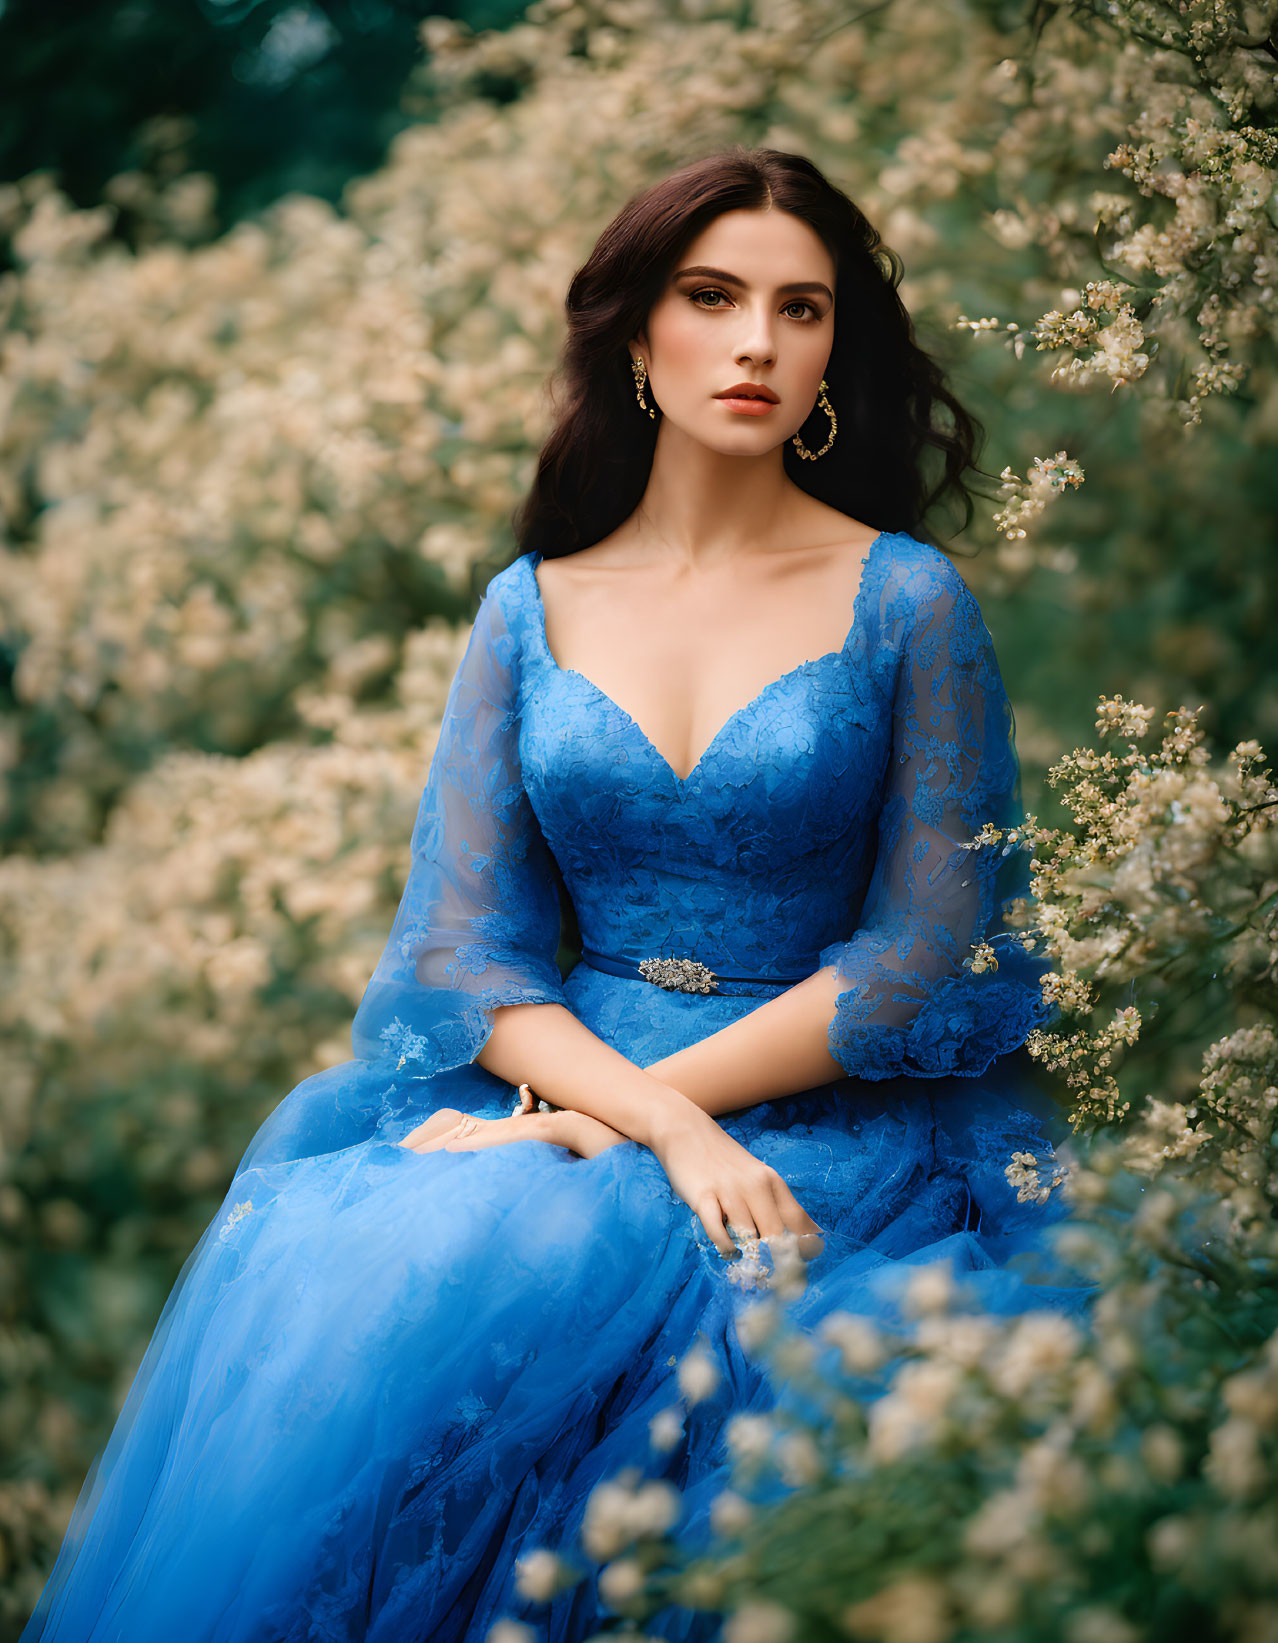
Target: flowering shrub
{"type": "Point", "coordinates": [1164, 885]}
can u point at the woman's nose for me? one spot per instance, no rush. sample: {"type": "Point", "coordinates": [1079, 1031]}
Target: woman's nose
{"type": "Point", "coordinates": [757, 343]}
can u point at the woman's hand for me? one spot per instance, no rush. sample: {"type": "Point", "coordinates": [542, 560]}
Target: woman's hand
{"type": "Point", "coordinates": [449, 1130]}
{"type": "Point", "coordinates": [715, 1176]}
{"type": "Point", "coordinates": [722, 1182]}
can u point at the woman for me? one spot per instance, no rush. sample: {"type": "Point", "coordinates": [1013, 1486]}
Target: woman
{"type": "Point", "coordinates": [731, 715]}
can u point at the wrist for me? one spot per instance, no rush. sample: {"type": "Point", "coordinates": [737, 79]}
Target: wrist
{"type": "Point", "coordinates": [560, 1126]}
{"type": "Point", "coordinates": [669, 1115]}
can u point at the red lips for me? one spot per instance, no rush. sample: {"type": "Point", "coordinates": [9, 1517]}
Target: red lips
{"type": "Point", "coordinates": [749, 390]}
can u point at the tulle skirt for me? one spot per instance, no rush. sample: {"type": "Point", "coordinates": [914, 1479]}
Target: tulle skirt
{"type": "Point", "coordinates": [382, 1376]}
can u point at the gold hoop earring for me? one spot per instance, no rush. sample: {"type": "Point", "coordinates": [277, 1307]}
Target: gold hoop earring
{"type": "Point", "coordinates": [824, 402]}
{"type": "Point", "coordinates": [641, 376]}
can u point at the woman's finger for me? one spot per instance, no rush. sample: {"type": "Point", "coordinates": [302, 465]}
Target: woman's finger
{"type": "Point", "coordinates": [710, 1212]}
{"type": "Point", "coordinates": [811, 1239]}
{"type": "Point", "coordinates": [763, 1213]}
{"type": "Point", "coordinates": [793, 1213]}
{"type": "Point", "coordinates": [471, 1133]}
{"type": "Point", "coordinates": [437, 1125]}
{"type": "Point", "coordinates": [739, 1217]}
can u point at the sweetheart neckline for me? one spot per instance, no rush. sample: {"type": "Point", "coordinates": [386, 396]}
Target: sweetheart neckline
{"type": "Point", "coordinates": [534, 557]}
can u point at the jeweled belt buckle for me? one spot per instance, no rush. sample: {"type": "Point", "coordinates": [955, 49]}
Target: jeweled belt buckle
{"type": "Point", "coordinates": [684, 975]}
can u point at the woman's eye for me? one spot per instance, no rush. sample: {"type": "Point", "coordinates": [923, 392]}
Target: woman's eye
{"type": "Point", "coordinates": [807, 309]}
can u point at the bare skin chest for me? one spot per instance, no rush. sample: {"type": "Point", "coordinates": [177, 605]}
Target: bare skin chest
{"type": "Point", "coordinates": [681, 648]}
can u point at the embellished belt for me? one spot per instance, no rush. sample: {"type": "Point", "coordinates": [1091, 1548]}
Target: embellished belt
{"type": "Point", "coordinates": [684, 975]}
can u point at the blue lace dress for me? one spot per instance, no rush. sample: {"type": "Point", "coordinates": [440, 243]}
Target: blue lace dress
{"type": "Point", "coordinates": [381, 1375]}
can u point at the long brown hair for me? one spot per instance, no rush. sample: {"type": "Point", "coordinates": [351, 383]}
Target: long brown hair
{"type": "Point", "coordinates": [885, 389]}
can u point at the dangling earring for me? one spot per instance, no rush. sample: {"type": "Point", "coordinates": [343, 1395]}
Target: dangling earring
{"type": "Point", "coordinates": [824, 403]}
{"type": "Point", "coordinates": [641, 376]}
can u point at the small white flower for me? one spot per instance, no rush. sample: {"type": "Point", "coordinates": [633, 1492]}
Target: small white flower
{"type": "Point", "coordinates": [757, 1323]}
{"type": "Point", "coordinates": [1171, 1541]}
{"type": "Point", "coordinates": [1235, 1463]}
{"type": "Point", "coordinates": [789, 1269]}
{"type": "Point", "coordinates": [1163, 1452]}
{"type": "Point", "coordinates": [665, 1429]}
{"type": "Point", "coordinates": [893, 1428]}
{"type": "Point", "coordinates": [930, 1289]}
{"type": "Point", "coordinates": [1097, 1623]}
{"type": "Point", "coordinates": [749, 1436]}
{"type": "Point", "coordinates": [1005, 1521]}
{"type": "Point", "coordinates": [959, 1338]}
{"type": "Point", "coordinates": [1041, 1344]}
{"type": "Point", "coordinates": [799, 1459]}
{"type": "Point", "coordinates": [927, 1388]}
{"type": "Point", "coordinates": [618, 1513]}
{"type": "Point", "coordinates": [654, 1508]}
{"type": "Point", "coordinates": [621, 1582]}
{"type": "Point", "coordinates": [858, 1340]}
{"type": "Point", "coordinates": [539, 1575]}
{"type": "Point", "coordinates": [510, 1631]}
{"type": "Point", "coordinates": [759, 1622]}
{"type": "Point", "coordinates": [698, 1375]}
{"type": "Point", "coordinates": [730, 1513]}
{"type": "Point", "coordinates": [606, 1524]}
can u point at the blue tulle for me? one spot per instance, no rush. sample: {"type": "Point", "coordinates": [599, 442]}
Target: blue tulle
{"type": "Point", "coordinates": [382, 1375]}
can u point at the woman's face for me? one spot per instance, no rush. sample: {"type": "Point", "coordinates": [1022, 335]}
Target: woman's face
{"type": "Point", "coordinates": [751, 300]}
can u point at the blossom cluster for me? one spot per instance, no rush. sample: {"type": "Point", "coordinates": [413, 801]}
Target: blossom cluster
{"type": "Point", "coordinates": [1163, 881]}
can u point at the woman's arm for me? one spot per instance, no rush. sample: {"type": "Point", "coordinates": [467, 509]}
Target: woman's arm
{"type": "Point", "coordinates": [545, 1045]}
{"type": "Point", "coordinates": [776, 1050]}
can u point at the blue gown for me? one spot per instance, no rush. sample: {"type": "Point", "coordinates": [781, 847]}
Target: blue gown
{"type": "Point", "coordinates": [382, 1375]}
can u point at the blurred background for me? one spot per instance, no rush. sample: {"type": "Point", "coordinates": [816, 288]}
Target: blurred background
{"type": "Point", "coordinates": [280, 284]}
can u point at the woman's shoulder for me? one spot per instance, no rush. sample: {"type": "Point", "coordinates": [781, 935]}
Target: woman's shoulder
{"type": "Point", "coordinates": [934, 609]}
{"type": "Point", "coordinates": [510, 594]}
{"type": "Point", "coordinates": [923, 578]}
{"type": "Point", "coordinates": [921, 572]}
{"type": "Point", "coordinates": [511, 579]}
{"type": "Point", "coordinates": [500, 627]}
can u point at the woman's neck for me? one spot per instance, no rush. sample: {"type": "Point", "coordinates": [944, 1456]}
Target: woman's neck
{"type": "Point", "coordinates": [701, 506]}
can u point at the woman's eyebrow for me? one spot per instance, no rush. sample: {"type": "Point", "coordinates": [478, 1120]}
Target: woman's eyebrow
{"type": "Point", "coordinates": [731, 279]}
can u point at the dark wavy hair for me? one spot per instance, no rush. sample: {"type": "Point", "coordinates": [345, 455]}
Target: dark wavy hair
{"type": "Point", "coordinates": [886, 391]}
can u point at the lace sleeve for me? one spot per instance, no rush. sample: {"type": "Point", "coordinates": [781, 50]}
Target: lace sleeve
{"type": "Point", "coordinates": [479, 921]}
{"type": "Point", "coordinates": [911, 1006]}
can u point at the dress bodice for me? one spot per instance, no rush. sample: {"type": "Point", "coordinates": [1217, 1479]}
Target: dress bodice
{"type": "Point", "coordinates": [760, 857]}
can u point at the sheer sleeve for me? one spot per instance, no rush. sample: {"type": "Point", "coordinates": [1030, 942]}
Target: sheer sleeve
{"type": "Point", "coordinates": [479, 921]}
{"type": "Point", "coordinates": [911, 1007]}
